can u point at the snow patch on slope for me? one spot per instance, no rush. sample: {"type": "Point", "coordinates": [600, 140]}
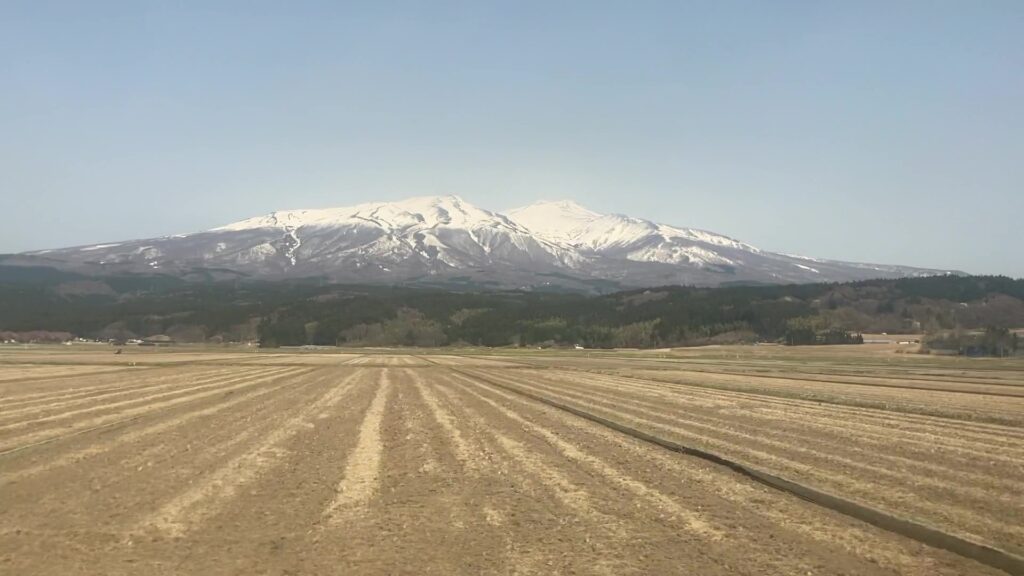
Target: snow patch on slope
{"type": "Point", "coordinates": [569, 222]}
{"type": "Point", "coordinates": [291, 243]}
{"type": "Point", "coordinates": [90, 248]}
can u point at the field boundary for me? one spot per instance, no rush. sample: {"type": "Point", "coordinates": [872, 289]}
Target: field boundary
{"type": "Point", "coordinates": [983, 553]}
{"type": "Point", "coordinates": [113, 424]}
{"type": "Point", "coordinates": [868, 384]}
{"type": "Point", "coordinates": [777, 393]}
{"type": "Point", "coordinates": [113, 368]}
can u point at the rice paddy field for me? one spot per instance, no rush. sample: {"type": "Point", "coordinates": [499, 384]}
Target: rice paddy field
{"type": "Point", "coordinates": [231, 461]}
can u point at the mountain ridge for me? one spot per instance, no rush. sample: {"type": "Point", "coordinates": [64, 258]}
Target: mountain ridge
{"type": "Point", "coordinates": [441, 239]}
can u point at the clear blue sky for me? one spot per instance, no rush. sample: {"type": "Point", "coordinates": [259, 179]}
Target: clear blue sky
{"type": "Point", "coordinates": [878, 131]}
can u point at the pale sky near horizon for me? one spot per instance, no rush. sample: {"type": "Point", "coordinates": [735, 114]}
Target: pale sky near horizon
{"type": "Point", "coordinates": [889, 132]}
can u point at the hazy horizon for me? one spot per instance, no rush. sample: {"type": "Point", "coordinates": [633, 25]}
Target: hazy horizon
{"type": "Point", "coordinates": [873, 132]}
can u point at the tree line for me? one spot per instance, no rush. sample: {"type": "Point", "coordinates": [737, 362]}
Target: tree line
{"type": "Point", "coordinates": [313, 312]}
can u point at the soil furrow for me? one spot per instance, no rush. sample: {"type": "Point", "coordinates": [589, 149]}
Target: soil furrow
{"type": "Point", "coordinates": [101, 406]}
{"type": "Point", "coordinates": [998, 435]}
{"type": "Point", "coordinates": [957, 456]}
{"type": "Point", "coordinates": [362, 470]}
{"type": "Point", "coordinates": [182, 512]}
{"type": "Point", "coordinates": [46, 404]}
{"type": "Point", "coordinates": [996, 526]}
{"type": "Point", "coordinates": [694, 522]}
{"type": "Point", "coordinates": [790, 514]}
{"type": "Point", "coordinates": [67, 456]}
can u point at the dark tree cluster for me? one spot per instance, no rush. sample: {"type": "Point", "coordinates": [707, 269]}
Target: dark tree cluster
{"type": "Point", "coordinates": [993, 341]}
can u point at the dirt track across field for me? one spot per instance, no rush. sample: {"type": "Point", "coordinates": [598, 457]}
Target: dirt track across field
{"type": "Point", "coordinates": [382, 463]}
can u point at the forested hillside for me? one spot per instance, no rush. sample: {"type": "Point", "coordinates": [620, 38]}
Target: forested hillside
{"type": "Point", "coordinates": [298, 313]}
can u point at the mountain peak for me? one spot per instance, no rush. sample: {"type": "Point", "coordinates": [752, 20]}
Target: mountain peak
{"type": "Point", "coordinates": [558, 219]}
{"type": "Point", "coordinates": [559, 206]}
{"type": "Point", "coordinates": [443, 201]}
{"type": "Point", "coordinates": [422, 210]}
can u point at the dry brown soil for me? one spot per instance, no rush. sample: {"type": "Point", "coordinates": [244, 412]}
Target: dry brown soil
{"type": "Point", "coordinates": [253, 463]}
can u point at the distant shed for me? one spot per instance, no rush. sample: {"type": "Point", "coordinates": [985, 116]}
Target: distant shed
{"type": "Point", "coordinates": [157, 340]}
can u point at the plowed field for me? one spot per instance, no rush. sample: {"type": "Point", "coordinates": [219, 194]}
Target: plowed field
{"type": "Point", "coordinates": [324, 463]}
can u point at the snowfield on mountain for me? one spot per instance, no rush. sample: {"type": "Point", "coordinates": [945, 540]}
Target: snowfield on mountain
{"type": "Point", "coordinates": [445, 241]}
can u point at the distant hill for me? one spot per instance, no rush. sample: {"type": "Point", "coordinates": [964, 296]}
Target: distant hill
{"type": "Point", "coordinates": [316, 312]}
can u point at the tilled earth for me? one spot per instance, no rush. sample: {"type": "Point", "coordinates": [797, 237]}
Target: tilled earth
{"type": "Point", "coordinates": [431, 464]}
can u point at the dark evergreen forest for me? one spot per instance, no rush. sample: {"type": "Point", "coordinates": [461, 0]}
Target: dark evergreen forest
{"type": "Point", "coordinates": [314, 313]}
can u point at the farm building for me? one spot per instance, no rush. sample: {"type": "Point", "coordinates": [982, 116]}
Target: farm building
{"type": "Point", "coordinates": [157, 340]}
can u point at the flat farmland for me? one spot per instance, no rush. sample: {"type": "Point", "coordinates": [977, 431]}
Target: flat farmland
{"type": "Point", "coordinates": [383, 462]}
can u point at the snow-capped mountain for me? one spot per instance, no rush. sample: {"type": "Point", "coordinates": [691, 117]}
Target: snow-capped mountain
{"type": "Point", "coordinates": [446, 240]}
{"type": "Point", "coordinates": [435, 233]}
{"type": "Point", "coordinates": [629, 238]}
